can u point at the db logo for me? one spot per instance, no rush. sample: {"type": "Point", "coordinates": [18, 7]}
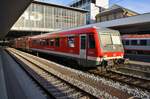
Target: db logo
{"type": "Point", "coordinates": [34, 16]}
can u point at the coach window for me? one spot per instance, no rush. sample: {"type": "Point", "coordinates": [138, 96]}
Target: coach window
{"type": "Point", "coordinates": [126, 42]}
{"type": "Point", "coordinates": [91, 41]}
{"type": "Point", "coordinates": [34, 42]}
{"type": "Point", "coordinates": [57, 44]}
{"type": "Point", "coordinates": [133, 42]}
{"type": "Point", "coordinates": [148, 42]}
{"type": "Point", "coordinates": [51, 42]}
{"type": "Point", "coordinates": [71, 41]}
{"type": "Point", "coordinates": [43, 42]}
{"type": "Point", "coordinates": [143, 42]}
{"type": "Point", "coordinates": [46, 42]}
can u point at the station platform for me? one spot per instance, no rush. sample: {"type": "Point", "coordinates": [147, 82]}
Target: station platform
{"type": "Point", "coordinates": [14, 82]}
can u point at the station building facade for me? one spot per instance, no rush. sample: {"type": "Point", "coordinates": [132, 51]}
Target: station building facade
{"type": "Point", "coordinates": [45, 17]}
{"type": "Point", "coordinates": [93, 6]}
{"type": "Point", "coordinates": [114, 12]}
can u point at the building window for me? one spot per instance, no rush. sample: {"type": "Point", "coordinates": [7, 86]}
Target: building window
{"type": "Point", "coordinates": [71, 41]}
{"type": "Point", "coordinates": [104, 18]}
{"type": "Point", "coordinates": [91, 41]}
{"type": "Point", "coordinates": [111, 17]}
{"type": "Point", "coordinates": [57, 43]}
{"type": "Point", "coordinates": [119, 15]}
{"type": "Point", "coordinates": [93, 1]}
{"type": "Point", "coordinates": [51, 42]}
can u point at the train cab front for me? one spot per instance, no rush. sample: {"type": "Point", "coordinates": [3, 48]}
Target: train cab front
{"type": "Point", "coordinates": [112, 51]}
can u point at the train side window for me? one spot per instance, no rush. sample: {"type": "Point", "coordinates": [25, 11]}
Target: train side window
{"type": "Point", "coordinates": [71, 41]}
{"type": "Point", "coordinates": [34, 42]}
{"type": "Point", "coordinates": [148, 42]}
{"type": "Point", "coordinates": [143, 42]}
{"type": "Point", "coordinates": [57, 42]}
{"type": "Point", "coordinates": [124, 42]}
{"type": "Point", "coordinates": [127, 42]}
{"type": "Point", "coordinates": [46, 42]}
{"type": "Point", "coordinates": [134, 42]}
{"type": "Point", "coordinates": [43, 42]}
{"type": "Point", "coordinates": [91, 41]}
{"type": "Point", "coordinates": [51, 42]}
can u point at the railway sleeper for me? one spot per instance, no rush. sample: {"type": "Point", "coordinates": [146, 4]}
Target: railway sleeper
{"type": "Point", "coordinates": [136, 82]}
{"type": "Point", "coordinates": [145, 85]}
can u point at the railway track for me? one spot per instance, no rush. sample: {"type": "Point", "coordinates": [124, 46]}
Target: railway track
{"type": "Point", "coordinates": [126, 78]}
{"type": "Point", "coordinates": [144, 68]}
{"type": "Point", "coordinates": [99, 87]}
{"type": "Point", "coordinates": [54, 86]}
{"type": "Point", "coordinates": [134, 72]}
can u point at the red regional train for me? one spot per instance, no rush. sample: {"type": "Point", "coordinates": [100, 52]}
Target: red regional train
{"type": "Point", "coordinates": [137, 44]}
{"type": "Point", "coordinates": [90, 46]}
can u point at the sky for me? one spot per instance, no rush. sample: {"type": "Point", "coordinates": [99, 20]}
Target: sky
{"type": "Point", "coordinates": [140, 6]}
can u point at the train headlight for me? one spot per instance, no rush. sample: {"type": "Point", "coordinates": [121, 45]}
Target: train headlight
{"type": "Point", "coordinates": [105, 55]}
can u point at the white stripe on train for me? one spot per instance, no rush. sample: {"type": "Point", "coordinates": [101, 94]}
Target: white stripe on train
{"type": "Point", "coordinates": [77, 56]}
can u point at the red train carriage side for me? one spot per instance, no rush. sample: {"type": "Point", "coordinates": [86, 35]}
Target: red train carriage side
{"type": "Point", "coordinates": [22, 43]}
{"type": "Point", "coordinates": [137, 44]}
{"type": "Point", "coordinates": [84, 45]}
{"type": "Point", "coordinates": [89, 46]}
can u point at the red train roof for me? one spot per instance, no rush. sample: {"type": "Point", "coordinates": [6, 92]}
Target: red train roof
{"type": "Point", "coordinates": [62, 33]}
{"type": "Point", "coordinates": [76, 30]}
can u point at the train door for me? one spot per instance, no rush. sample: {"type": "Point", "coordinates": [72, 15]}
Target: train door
{"type": "Point", "coordinates": [83, 49]}
{"type": "Point", "coordinates": [27, 44]}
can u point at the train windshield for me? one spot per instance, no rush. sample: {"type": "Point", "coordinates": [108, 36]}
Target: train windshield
{"type": "Point", "coordinates": [107, 39]}
{"type": "Point", "coordinates": [110, 41]}
{"type": "Point", "coordinates": [116, 39]}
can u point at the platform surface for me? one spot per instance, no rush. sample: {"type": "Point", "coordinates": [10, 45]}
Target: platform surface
{"type": "Point", "coordinates": [14, 82]}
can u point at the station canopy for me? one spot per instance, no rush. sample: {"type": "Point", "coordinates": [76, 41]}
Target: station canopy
{"type": "Point", "coordinates": [10, 11]}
